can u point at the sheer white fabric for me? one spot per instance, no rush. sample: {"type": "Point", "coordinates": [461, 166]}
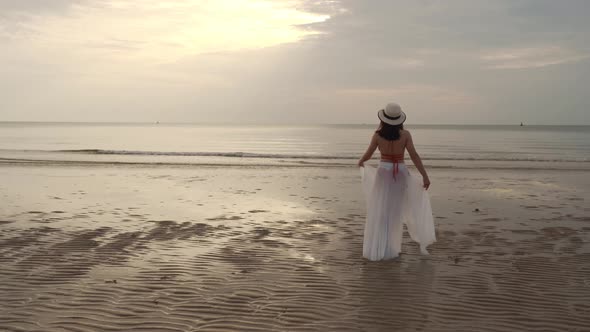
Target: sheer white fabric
{"type": "Point", "coordinates": [392, 201]}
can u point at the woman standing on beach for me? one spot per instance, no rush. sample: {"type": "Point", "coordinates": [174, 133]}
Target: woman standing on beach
{"type": "Point", "coordinates": [394, 197]}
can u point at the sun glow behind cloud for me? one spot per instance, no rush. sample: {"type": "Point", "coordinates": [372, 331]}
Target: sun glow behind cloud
{"type": "Point", "coordinates": [167, 30]}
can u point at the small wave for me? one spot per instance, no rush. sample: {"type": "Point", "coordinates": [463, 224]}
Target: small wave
{"type": "Point", "coordinates": [204, 154]}
{"type": "Point", "coordinates": [262, 164]}
{"type": "Point", "coordinates": [309, 156]}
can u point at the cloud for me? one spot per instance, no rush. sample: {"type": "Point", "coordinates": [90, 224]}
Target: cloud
{"type": "Point", "coordinates": [293, 60]}
{"type": "Point", "coordinates": [154, 30]}
{"type": "Point", "coordinates": [37, 7]}
{"type": "Point", "coordinates": [530, 57]}
{"type": "Point", "coordinates": [398, 62]}
{"type": "Point", "coordinates": [413, 92]}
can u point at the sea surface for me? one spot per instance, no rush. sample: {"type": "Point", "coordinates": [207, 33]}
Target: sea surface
{"type": "Point", "coordinates": [449, 146]}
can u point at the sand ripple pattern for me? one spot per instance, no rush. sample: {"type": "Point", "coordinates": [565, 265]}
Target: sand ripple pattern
{"type": "Point", "coordinates": [255, 268]}
{"type": "Point", "coordinates": [273, 279]}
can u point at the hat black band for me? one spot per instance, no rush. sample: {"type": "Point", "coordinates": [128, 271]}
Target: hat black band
{"type": "Point", "coordinates": [390, 117]}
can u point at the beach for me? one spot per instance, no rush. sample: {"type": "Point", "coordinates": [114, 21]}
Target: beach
{"type": "Point", "coordinates": [195, 166]}
{"type": "Point", "coordinates": [148, 247]}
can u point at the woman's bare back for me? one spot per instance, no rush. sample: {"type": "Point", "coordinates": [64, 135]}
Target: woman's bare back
{"type": "Point", "coordinates": [396, 147]}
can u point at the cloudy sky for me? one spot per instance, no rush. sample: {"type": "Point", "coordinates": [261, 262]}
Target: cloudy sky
{"type": "Point", "coordinates": [295, 61]}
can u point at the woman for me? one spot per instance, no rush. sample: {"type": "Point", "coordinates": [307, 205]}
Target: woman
{"type": "Point", "coordinates": [394, 197]}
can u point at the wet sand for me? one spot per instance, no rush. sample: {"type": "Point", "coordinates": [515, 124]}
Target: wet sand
{"type": "Point", "coordinates": [279, 249]}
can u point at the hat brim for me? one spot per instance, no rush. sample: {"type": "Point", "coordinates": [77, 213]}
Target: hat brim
{"type": "Point", "coordinates": [393, 122]}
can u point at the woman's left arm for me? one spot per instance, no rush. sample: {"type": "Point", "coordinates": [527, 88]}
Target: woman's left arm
{"type": "Point", "coordinates": [369, 153]}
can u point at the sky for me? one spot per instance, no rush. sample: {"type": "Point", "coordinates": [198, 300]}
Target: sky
{"type": "Point", "coordinates": [295, 61]}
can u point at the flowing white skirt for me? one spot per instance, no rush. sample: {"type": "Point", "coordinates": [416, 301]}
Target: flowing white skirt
{"type": "Point", "coordinates": [391, 203]}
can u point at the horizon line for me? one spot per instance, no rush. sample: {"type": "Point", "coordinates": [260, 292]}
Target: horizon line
{"type": "Point", "coordinates": [517, 124]}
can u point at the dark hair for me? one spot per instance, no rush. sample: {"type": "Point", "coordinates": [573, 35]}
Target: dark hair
{"type": "Point", "coordinates": [390, 132]}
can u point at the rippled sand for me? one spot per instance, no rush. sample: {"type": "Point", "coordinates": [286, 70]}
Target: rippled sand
{"type": "Point", "coordinates": [278, 249]}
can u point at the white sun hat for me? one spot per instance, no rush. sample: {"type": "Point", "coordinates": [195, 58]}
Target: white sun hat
{"type": "Point", "coordinates": [392, 114]}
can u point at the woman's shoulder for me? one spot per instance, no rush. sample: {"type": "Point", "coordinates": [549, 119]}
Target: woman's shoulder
{"type": "Point", "coordinates": [375, 136]}
{"type": "Point", "coordinates": [404, 133]}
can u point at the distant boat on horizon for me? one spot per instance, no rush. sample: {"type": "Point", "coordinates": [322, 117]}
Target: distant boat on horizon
{"type": "Point", "coordinates": [521, 124]}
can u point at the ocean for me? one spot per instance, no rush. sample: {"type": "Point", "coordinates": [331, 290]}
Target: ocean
{"type": "Point", "coordinates": [445, 146]}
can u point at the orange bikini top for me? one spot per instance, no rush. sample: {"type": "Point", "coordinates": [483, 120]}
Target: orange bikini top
{"type": "Point", "coordinates": [395, 159]}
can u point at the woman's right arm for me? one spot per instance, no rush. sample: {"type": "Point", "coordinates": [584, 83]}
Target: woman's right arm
{"type": "Point", "coordinates": [370, 150]}
{"type": "Point", "coordinates": [416, 159]}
